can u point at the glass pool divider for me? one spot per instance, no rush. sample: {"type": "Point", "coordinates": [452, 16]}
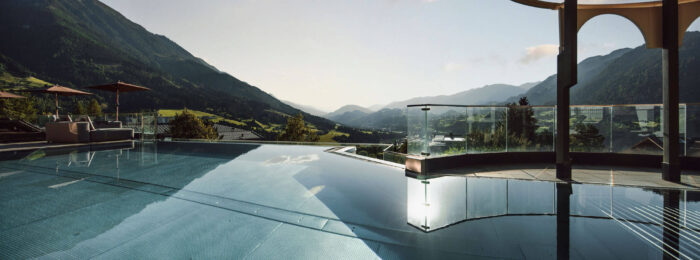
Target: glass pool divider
{"type": "Point", "coordinates": [143, 123]}
{"type": "Point", "coordinates": [442, 130]}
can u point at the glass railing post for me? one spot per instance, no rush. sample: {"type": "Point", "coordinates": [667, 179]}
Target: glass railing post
{"type": "Point", "coordinates": [493, 120]}
{"type": "Point", "coordinates": [506, 129]}
{"type": "Point", "coordinates": [469, 131]}
{"type": "Point", "coordinates": [554, 128]}
{"type": "Point", "coordinates": [143, 132]}
{"type": "Point", "coordinates": [611, 128]}
{"type": "Point", "coordinates": [155, 124]}
{"type": "Point", "coordinates": [426, 133]}
{"type": "Point", "coordinates": [684, 127]}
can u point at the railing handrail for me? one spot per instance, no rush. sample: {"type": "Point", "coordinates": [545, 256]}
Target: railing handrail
{"type": "Point", "coordinates": [547, 106]}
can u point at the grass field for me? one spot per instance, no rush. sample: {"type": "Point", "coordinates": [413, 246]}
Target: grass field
{"type": "Point", "coordinates": [9, 81]}
{"type": "Point", "coordinates": [216, 119]}
{"type": "Point", "coordinates": [328, 137]}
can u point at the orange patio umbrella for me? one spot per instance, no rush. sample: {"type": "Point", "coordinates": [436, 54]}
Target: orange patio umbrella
{"type": "Point", "coordinates": [9, 95]}
{"type": "Point", "coordinates": [60, 90]}
{"type": "Point", "coordinates": [120, 87]}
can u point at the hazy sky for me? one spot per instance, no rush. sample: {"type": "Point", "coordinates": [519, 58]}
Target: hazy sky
{"type": "Point", "coordinates": [329, 53]}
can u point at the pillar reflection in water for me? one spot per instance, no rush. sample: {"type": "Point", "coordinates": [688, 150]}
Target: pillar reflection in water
{"type": "Point", "coordinates": [564, 192]}
{"type": "Point", "coordinates": [671, 224]}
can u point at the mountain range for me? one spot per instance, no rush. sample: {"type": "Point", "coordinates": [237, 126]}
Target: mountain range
{"type": "Point", "coordinates": [347, 109]}
{"type": "Point", "coordinates": [391, 116]}
{"type": "Point", "coordinates": [477, 96]}
{"type": "Point", "coordinates": [624, 76]}
{"type": "Point", "coordinates": [306, 108]}
{"type": "Point", "coordinates": [82, 43]}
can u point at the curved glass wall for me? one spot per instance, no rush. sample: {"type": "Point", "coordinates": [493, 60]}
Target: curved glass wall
{"type": "Point", "coordinates": [439, 130]}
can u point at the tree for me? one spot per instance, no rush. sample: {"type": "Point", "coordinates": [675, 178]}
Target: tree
{"type": "Point", "coordinates": [94, 109]}
{"type": "Point", "coordinates": [586, 138]}
{"type": "Point", "coordinates": [187, 125]}
{"type": "Point", "coordinates": [80, 109]}
{"type": "Point", "coordinates": [18, 109]}
{"type": "Point", "coordinates": [521, 119]}
{"type": "Point", "coordinates": [296, 130]}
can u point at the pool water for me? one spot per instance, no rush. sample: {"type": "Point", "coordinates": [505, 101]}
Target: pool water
{"type": "Point", "coordinates": [173, 200]}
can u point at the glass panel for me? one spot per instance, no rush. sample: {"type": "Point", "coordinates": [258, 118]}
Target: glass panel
{"type": "Point", "coordinates": [436, 203]}
{"type": "Point", "coordinates": [636, 204]}
{"type": "Point", "coordinates": [544, 132]}
{"type": "Point", "coordinates": [590, 129]}
{"type": "Point", "coordinates": [531, 197]}
{"type": "Point", "coordinates": [148, 122]}
{"type": "Point", "coordinates": [416, 200]}
{"type": "Point", "coordinates": [486, 197]}
{"type": "Point", "coordinates": [591, 200]}
{"type": "Point", "coordinates": [417, 130]}
{"type": "Point", "coordinates": [486, 128]}
{"type": "Point", "coordinates": [530, 129]}
{"type": "Point", "coordinates": [444, 130]}
{"type": "Point", "coordinates": [692, 127]}
{"type": "Point", "coordinates": [637, 129]}
{"type": "Point", "coordinates": [690, 216]}
{"type": "Point", "coordinates": [447, 130]}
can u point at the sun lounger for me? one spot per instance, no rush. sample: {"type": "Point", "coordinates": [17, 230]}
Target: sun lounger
{"type": "Point", "coordinates": [82, 130]}
{"type": "Point", "coordinates": [68, 132]}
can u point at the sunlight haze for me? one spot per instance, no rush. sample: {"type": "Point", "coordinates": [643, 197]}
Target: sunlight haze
{"type": "Point", "coordinates": [328, 54]}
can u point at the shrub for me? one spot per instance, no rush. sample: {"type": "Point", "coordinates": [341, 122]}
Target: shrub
{"type": "Point", "coordinates": [187, 125]}
{"type": "Point", "coordinates": [18, 109]}
{"type": "Point", "coordinates": [94, 109]}
{"type": "Point", "coordinates": [297, 131]}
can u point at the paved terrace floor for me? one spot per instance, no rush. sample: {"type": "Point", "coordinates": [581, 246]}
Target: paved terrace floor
{"type": "Point", "coordinates": [593, 174]}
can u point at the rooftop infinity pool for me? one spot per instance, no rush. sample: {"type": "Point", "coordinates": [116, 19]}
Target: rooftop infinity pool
{"type": "Point", "coordinates": [175, 200]}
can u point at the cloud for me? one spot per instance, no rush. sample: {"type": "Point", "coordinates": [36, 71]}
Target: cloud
{"type": "Point", "coordinates": [452, 66]}
{"type": "Point", "coordinates": [286, 159]}
{"type": "Point", "coordinates": [538, 52]}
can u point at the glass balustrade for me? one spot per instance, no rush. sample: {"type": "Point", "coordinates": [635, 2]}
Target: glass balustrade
{"type": "Point", "coordinates": [439, 130]}
{"type": "Point", "coordinates": [143, 123]}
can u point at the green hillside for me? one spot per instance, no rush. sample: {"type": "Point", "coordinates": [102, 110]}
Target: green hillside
{"type": "Point", "coordinates": [82, 43]}
{"type": "Point", "coordinates": [626, 76]}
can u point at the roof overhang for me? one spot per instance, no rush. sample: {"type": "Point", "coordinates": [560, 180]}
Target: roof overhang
{"type": "Point", "coordinates": [645, 15]}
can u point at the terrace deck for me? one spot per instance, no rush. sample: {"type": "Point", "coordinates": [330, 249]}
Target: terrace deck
{"type": "Point", "coordinates": [590, 174]}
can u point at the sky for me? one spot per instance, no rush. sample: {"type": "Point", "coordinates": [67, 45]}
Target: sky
{"type": "Point", "coordinates": [330, 53]}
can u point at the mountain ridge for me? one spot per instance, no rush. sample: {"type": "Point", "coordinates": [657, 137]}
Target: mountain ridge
{"type": "Point", "coordinates": [345, 109]}
{"type": "Point", "coordinates": [308, 109]}
{"type": "Point", "coordinates": [477, 96]}
{"type": "Point", "coordinates": [83, 43]}
{"type": "Point", "coordinates": [625, 76]}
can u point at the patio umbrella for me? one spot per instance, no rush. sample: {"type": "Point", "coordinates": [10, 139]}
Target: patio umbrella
{"type": "Point", "coordinates": [9, 95]}
{"type": "Point", "coordinates": [120, 87]}
{"type": "Point", "coordinates": [60, 90]}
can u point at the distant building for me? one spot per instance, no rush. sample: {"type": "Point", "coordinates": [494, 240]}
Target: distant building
{"type": "Point", "coordinates": [592, 114]}
{"type": "Point", "coordinates": [227, 133]}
